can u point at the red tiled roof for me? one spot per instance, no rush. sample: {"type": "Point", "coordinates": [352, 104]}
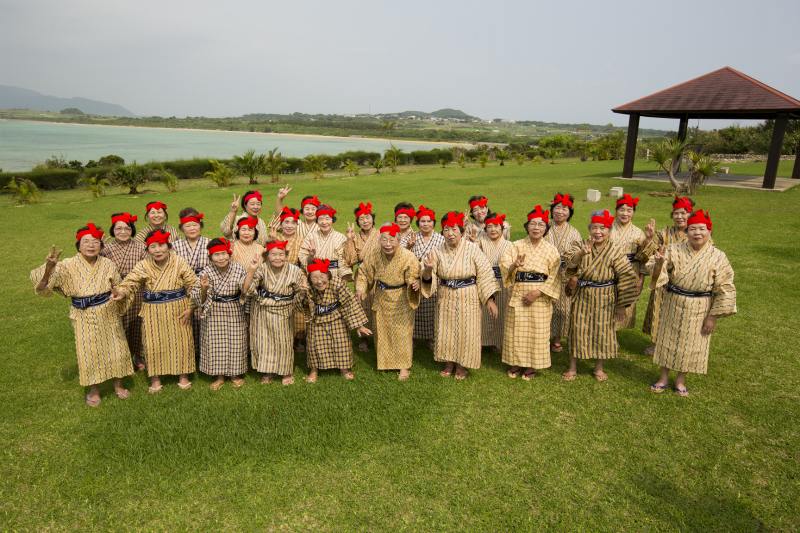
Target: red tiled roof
{"type": "Point", "coordinates": [723, 91]}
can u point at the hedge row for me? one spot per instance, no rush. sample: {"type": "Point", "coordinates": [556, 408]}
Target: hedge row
{"type": "Point", "coordinates": [45, 179]}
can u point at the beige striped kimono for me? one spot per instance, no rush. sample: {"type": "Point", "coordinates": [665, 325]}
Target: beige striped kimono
{"type": "Point", "coordinates": [271, 329]}
{"type": "Point", "coordinates": [354, 253]}
{"type": "Point", "coordinates": [292, 251]}
{"type": "Point", "coordinates": [100, 343]}
{"type": "Point", "coordinates": [223, 338]}
{"type": "Point", "coordinates": [125, 258]}
{"type": "Point", "coordinates": [458, 311]}
{"type": "Point", "coordinates": [141, 234]}
{"type": "Point", "coordinates": [330, 247]}
{"type": "Point", "coordinates": [424, 315]}
{"type": "Point", "coordinates": [394, 308]}
{"type": "Point", "coordinates": [492, 328]}
{"type": "Point", "coordinates": [526, 338]}
{"type": "Point", "coordinates": [633, 242]}
{"type": "Point", "coordinates": [592, 333]}
{"type": "Point", "coordinates": [563, 239]}
{"type": "Point", "coordinates": [230, 234]}
{"type": "Point", "coordinates": [473, 227]}
{"type": "Point", "coordinates": [679, 344]}
{"type": "Point", "coordinates": [197, 256]}
{"type": "Point", "coordinates": [168, 345]}
{"type": "Point", "coordinates": [243, 253]}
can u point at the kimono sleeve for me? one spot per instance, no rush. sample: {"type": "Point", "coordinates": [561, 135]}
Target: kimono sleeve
{"type": "Point", "coordinates": [196, 292]}
{"type": "Point", "coordinates": [487, 284]}
{"type": "Point", "coordinates": [366, 274]}
{"type": "Point", "coordinates": [552, 285]}
{"type": "Point", "coordinates": [506, 262]}
{"type": "Point", "coordinates": [428, 287]}
{"type": "Point", "coordinates": [573, 271]}
{"type": "Point", "coordinates": [188, 279]}
{"type": "Point", "coordinates": [723, 302]}
{"type": "Point", "coordinates": [663, 278]}
{"type": "Point", "coordinates": [352, 313]}
{"type": "Point", "coordinates": [351, 252]}
{"type": "Point", "coordinates": [344, 269]}
{"type": "Point", "coordinates": [412, 272]}
{"type": "Point", "coordinates": [54, 284]}
{"type": "Point", "coordinates": [301, 305]}
{"type": "Point", "coordinates": [225, 225]}
{"type": "Point", "coordinates": [252, 290]}
{"type": "Point", "coordinates": [135, 280]}
{"type": "Point", "coordinates": [625, 288]}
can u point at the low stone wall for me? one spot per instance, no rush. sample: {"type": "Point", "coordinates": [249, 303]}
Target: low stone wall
{"type": "Point", "coordinates": [746, 158]}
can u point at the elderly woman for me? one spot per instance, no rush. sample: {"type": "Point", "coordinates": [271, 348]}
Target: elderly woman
{"type": "Point", "coordinates": [462, 279]}
{"type": "Point", "coordinates": [125, 253]}
{"type": "Point", "coordinates": [271, 286]}
{"type": "Point", "coordinates": [681, 211]}
{"type": "Point", "coordinates": [392, 272]}
{"type": "Point", "coordinates": [358, 246]}
{"type": "Point", "coordinates": [218, 294]}
{"type": "Point", "coordinates": [494, 246]}
{"type": "Point", "coordinates": [404, 213]}
{"type": "Point", "coordinates": [286, 226]}
{"type": "Point", "coordinates": [637, 245]}
{"type": "Point", "coordinates": [251, 205]}
{"type": "Point", "coordinates": [563, 237]}
{"type": "Point", "coordinates": [698, 282]}
{"type": "Point", "coordinates": [193, 248]}
{"type": "Point", "coordinates": [421, 243]}
{"type": "Point", "coordinates": [308, 210]}
{"type": "Point", "coordinates": [156, 215]}
{"type": "Point", "coordinates": [330, 311]}
{"type": "Point", "coordinates": [167, 311]}
{"type": "Point", "coordinates": [478, 210]}
{"type": "Point", "coordinates": [246, 246]}
{"type": "Point", "coordinates": [323, 242]}
{"type": "Point", "coordinates": [87, 278]}
{"type": "Point", "coordinates": [606, 285]}
{"type": "Point", "coordinates": [531, 270]}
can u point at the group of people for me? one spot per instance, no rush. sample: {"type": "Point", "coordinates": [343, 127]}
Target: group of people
{"type": "Point", "coordinates": [152, 300]}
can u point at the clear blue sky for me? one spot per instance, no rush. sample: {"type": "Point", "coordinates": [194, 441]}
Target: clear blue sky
{"type": "Point", "coordinates": [525, 60]}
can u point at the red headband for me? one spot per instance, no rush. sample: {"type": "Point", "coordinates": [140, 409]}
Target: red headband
{"type": "Point", "coordinates": [93, 231]}
{"type": "Point", "coordinates": [363, 210]}
{"type": "Point", "coordinates": [254, 194]}
{"type": "Point", "coordinates": [287, 213]}
{"type": "Point", "coordinates": [124, 217]}
{"type": "Point", "coordinates": [192, 218]}
{"type": "Point", "coordinates": [392, 229]}
{"type": "Point", "coordinates": [224, 247]}
{"type": "Point", "coordinates": [684, 203]}
{"type": "Point", "coordinates": [425, 212]}
{"type": "Point", "coordinates": [326, 210]}
{"type": "Point", "coordinates": [482, 202]}
{"type": "Point", "coordinates": [159, 237]}
{"type": "Point", "coordinates": [313, 201]}
{"type": "Point", "coordinates": [410, 212]}
{"type": "Point", "coordinates": [277, 244]}
{"type": "Point", "coordinates": [628, 200]}
{"type": "Point", "coordinates": [605, 220]}
{"type": "Point", "coordinates": [499, 220]}
{"type": "Point", "coordinates": [319, 265]}
{"type": "Point", "coordinates": [562, 200]}
{"type": "Point", "coordinates": [537, 213]}
{"type": "Point", "coordinates": [698, 217]}
{"type": "Point", "coordinates": [452, 220]}
{"type": "Point", "coordinates": [155, 205]}
{"type": "Point", "coordinates": [247, 221]}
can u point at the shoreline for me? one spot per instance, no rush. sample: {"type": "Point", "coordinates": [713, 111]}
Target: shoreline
{"type": "Point", "coordinates": [308, 135]}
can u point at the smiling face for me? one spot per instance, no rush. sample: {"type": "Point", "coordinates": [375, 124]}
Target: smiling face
{"type": "Point", "coordinates": [680, 217]}
{"type": "Point", "coordinates": [403, 220]}
{"type": "Point", "coordinates": [221, 260]}
{"type": "Point", "coordinates": [325, 223]}
{"type": "Point", "coordinates": [389, 243]}
{"type": "Point", "coordinates": [560, 213]}
{"type": "Point", "coordinates": [276, 257]}
{"type": "Point", "coordinates": [319, 280]}
{"type": "Point", "coordinates": [89, 247]}
{"type": "Point", "coordinates": [452, 234]}
{"type": "Point", "coordinates": [494, 231]}
{"type": "Point", "coordinates": [191, 230]}
{"type": "Point", "coordinates": [698, 234]}
{"type": "Point", "coordinates": [479, 213]}
{"type": "Point", "coordinates": [156, 217]}
{"type": "Point", "coordinates": [599, 233]}
{"type": "Point", "coordinates": [246, 234]}
{"type": "Point", "coordinates": [122, 232]}
{"type": "Point", "coordinates": [253, 207]}
{"type": "Point", "coordinates": [310, 212]}
{"type": "Point", "coordinates": [624, 214]}
{"type": "Point", "coordinates": [158, 251]}
{"type": "Point", "coordinates": [536, 228]}
{"type": "Point", "coordinates": [288, 227]}
{"type": "Point", "coordinates": [365, 222]}
{"type": "Point", "coordinates": [426, 225]}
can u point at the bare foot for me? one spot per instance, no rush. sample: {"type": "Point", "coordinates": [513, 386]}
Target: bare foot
{"type": "Point", "coordinates": [447, 371]}
{"type": "Point", "coordinates": [287, 380]}
{"type": "Point", "coordinates": [267, 378]}
{"type": "Point", "coordinates": [218, 383]}
{"type": "Point", "coordinates": [404, 374]}
{"type": "Point", "coordinates": [346, 374]}
{"type": "Point", "coordinates": [312, 377]}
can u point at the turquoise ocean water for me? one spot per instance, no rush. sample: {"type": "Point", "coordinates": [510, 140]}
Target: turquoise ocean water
{"type": "Point", "coordinates": [23, 144]}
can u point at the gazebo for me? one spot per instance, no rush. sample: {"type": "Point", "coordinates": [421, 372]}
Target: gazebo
{"type": "Point", "coordinates": [723, 94]}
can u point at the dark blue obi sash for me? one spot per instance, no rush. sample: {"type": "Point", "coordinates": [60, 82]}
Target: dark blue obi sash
{"type": "Point", "coordinates": [264, 293]}
{"type": "Point", "coordinates": [223, 299]}
{"type": "Point", "coordinates": [689, 294]}
{"type": "Point", "coordinates": [90, 301]}
{"type": "Point", "coordinates": [327, 309]}
{"type": "Point", "coordinates": [594, 285]}
{"type": "Point", "coordinates": [497, 274]}
{"type": "Point", "coordinates": [385, 287]}
{"type": "Point", "coordinates": [530, 277]}
{"type": "Point", "coordinates": [163, 297]}
{"type": "Point", "coordinates": [459, 283]}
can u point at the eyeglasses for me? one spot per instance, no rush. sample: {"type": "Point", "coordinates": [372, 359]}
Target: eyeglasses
{"type": "Point", "coordinates": [122, 230]}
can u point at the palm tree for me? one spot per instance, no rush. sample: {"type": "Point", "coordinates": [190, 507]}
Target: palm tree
{"type": "Point", "coordinates": [463, 160]}
{"type": "Point", "coordinates": [275, 164]}
{"type": "Point", "coordinates": [483, 159]}
{"type": "Point", "coordinates": [702, 168]}
{"type": "Point", "coordinates": [520, 159]}
{"type": "Point", "coordinates": [170, 180]}
{"type": "Point", "coordinates": [316, 164]}
{"type": "Point", "coordinates": [95, 185]}
{"type": "Point", "coordinates": [443, 162]}
{"type": "Point", "coordinates": [392, 157]}
{"type": "Point", "coordinates": [388, 127]}
{"type": "Point", "coordinates": [351, 167]}
{"type": "Point", "coordinates": [250, 164]}
{"type": "Point", "coordinates": [502, 157]}
{"type": "Point", "coordinates": [131, 176]}
{"type": "Point", "coordinates": [25, 190]}
{"type": "Point", "coordinates": [665, 155]}
{"type": "Point", "coordinates": [222, 174]}
{"type": "Point", "coordinates": [377, 165]}
{"type": "Point", "coordinates": [552, 154]}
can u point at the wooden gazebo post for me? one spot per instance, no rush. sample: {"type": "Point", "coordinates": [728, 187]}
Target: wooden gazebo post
{"type": "Point", "coordinates": [774, 157]}
{"type": "Point", "coordinates": [630, 146]}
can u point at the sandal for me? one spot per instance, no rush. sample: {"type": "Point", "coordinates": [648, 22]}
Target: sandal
{"type": "Point", "coordinates": [287, 380]}
{"type": "Point", "coordinates": [569, 376]}
{"type": "Point", "coordinates": [237, 382]}
{"type": "Point", "coordinates": [153, 390]}
{"type": "Point", "coordinates": [657, 388]}
{"type": "Point", "coordinates": [403, 377]}
{"type": "Point", "coordinates": [429, 345]}
{"type": "Point", "coordinates": [349, 375]}
{"type": "Point", "coordinates": [600, 377]}
{"type": "Point", "coordinates": [186, 386]}
{"type": "Point", "coordinates": [139, 363]}
{"type": "Point", "coordinates": [123, 394]}
{"type": "Point", "coordinates": [309, 379]}
{"type": "Point", "coordinates": [446, 373]}
{"type": "Point", "coordinates": [513, 373]}
{"type": "Point", "coordinates": [461, 375]}
{"type": "Point", "coordinates": [681, 392]}
{"type": "Point", "coordinates": [216, 385]}
{"type": "Point", "coordinates": [92, 402]}
{"type": "Point", "coordinates": [650, 351]}
{"type": "Point", "coordinates": [556, 347]}
{"type": "Point", "coordinates": [527, 376]}
{"type": "Point", "coordinates": [266, 379]}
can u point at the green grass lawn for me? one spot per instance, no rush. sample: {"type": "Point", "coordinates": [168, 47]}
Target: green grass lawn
{"type": "Point", "coordinates": [429, 454]}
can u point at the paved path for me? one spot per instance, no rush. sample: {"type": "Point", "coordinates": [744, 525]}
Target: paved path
{"type": "Point", "coordinates": [736, 181]}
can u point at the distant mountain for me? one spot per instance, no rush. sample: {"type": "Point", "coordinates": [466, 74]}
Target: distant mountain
{"type": "Point", "coordinates": [18, 98]}
{"type": "Point", "coordinates": [442, 113]}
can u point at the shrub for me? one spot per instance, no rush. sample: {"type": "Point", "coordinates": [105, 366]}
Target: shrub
{"type": "Point", "coordinates": [44, 179]}
{"type": "Point", "coordinates": [187, 168]}
{"type": "Point", "coordinates": [131, 176]}
{"type": "Point", "coordinates": [95, 185]}
{"type": "Point", "coordinates": [24, 190]}
{"type": "Point", "coordinates": [221, 174]}
{"type": "Point", "coordinates": [170, 180]}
